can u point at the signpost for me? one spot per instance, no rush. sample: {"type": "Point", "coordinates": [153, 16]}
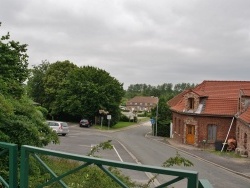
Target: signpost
{"type": "Point", "coordinates": [152, 123]}
{"type": "Point", "coordinates": [101, 121]}
{"type": "Point", "coordinates": [108, 118]}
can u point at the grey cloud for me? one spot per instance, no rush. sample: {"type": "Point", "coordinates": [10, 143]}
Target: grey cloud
{"type": "Point", "coordinates": [140, 41]}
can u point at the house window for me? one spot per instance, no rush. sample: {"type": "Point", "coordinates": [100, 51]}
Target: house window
{"type": "Point", "coordinates": [191, 103]}
{"type": "Point", "coordinates": [212, 131]}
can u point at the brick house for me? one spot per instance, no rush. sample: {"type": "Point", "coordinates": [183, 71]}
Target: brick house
{"type": "Point", "coordinates": [141, 103]}
{"type": "Point", "coordinates": [207, 112]}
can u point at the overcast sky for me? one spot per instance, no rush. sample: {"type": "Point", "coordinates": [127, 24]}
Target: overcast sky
{"type": "Point", "coordinates": [137, 41]}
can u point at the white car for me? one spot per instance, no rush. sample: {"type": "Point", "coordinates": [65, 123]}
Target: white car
{"type": "Point", "coordinates": [59, 127]}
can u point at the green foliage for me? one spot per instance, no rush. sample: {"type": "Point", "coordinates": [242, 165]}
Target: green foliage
{"type": "Point", "coordinates": [163, 129]}
{"type": "Point", "coordinates": [54, 80]}
{"type": "Point", "coordinates": [75, 92]}
{"type": "Point", "coordinates": [43, 110]}
{"type": "Point", "coordinates": [164, 117]}
{"type": "Point", "coordinates": [13, 67]}
{"type": "Point", "coordinates": [166, 89]}
{"type": "Point", "coordinates": [35, 85]}
{"type": "Point", "coordinates": [103, 146]}
{"type": "Point", "coordinates": [172, 161]}
{"type": "Point", "coordinates": [87, 90]}
{"type": "Point", "coordinates": [177, 160]}
{"type": "Point", "coordinates": [124, 118]}
{"type": "Point", "coordinates": [90, 176]}
{"type": "Point", "coordinates": [178, 88]}
{"type": "Point", "coordinates": [24, 124]}
{"type": "Point", "coordinates": [20, 121]}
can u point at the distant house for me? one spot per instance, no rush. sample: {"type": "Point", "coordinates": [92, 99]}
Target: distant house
{"type": "Point", "coordinates": [206, 113]}
{"type": "Point", "coordinates": [141, 103]}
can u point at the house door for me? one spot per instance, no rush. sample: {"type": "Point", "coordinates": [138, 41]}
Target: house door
{"type": "Point", "coordinates": [190, 134]}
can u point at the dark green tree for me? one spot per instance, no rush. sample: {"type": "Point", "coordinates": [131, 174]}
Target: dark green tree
{"type": "Point", "coordinates": [89, 89]}
{"type": "Point", "coordinates": [164, 117]}
{"type": "Point", "coordinates": [20, 121]}
{"type": "Point", "coordinates": [35, 85]}
{"type": "Point", "coordinates": [178, 88]}
{"type": "Point", "coordinates": [54, 79]}
{"type": "Point", "coordinates": [148, 90]}
{"type": "Point", "coordinates": [13, 66]}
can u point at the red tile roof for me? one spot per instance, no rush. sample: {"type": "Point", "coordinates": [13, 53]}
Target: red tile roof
{"type": "Point", "coordinates": [245, 116]}
{"type": "Point", "coordinates": [221, 97]}
{"type": "Point", "coordinates": [246, 92]}
{"type": "Point", "coordinates": [221, 106]}
{"type": "Point", "coordinates": [177, 98]}
{"type": "Point", "coordinates": [222, 89]}
{"type": "Point", "coordinates": [143, 99]}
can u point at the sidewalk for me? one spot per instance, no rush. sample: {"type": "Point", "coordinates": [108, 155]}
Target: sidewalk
{"type": "Point", "coordinates": [240, 166]}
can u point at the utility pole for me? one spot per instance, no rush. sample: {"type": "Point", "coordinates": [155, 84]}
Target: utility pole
{"type": "Point", "coordinates": [156, 117]}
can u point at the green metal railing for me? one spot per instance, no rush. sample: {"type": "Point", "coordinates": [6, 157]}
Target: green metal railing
{"type": "Point", "coordinates": [12, 150]}
{"type": "Point", "coordinates": [29, 151]}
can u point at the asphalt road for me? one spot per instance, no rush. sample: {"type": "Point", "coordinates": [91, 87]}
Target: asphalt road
{"type": "Point", "coordinates": [131, 145]}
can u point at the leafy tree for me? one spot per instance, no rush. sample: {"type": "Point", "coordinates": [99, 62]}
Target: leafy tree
{"type": "Point", "coordinates": [165, 89]}
{"type": "Point", "coordinates": [163, 118]}
{"type": "Point", "coordinates": [13, 66]}
{"type": "Point", "coordinates": [89, 89]}
{"type": "Point", "coordinates": [70, 92]}
{"type": "Point", "coordinates": [22, 124]}
{"type": "Point", "coordinates": [36, 88]}
{"type": "Point", "coordinates": [20, 121]}
{"type": "Point", "coordinates": [178, 88]}
{"type": "Point", "coordinates": [53, 82]}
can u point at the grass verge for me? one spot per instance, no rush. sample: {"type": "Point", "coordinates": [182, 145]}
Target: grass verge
{"type": "Point", "coordinates": [225, 154]}
{"type": "Point", "coordinates": [120, 124]}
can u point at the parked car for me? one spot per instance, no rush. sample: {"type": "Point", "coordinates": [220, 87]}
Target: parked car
{"type": "Point", "coordinates": [85, 123]}
{"type": "Point", "coordinates": [59, 127]}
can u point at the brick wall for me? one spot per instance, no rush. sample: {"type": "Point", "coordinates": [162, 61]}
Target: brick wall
{"type": "Point", "coordinates": [201, 130]}
{"type": "Point", "coordinates": [196, 100]}
{"type": "Point", "coordinates": [243, 136]}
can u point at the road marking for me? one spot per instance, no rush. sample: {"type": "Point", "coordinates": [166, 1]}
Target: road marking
{"type": "Point", "coordinates": [117, 153]}
{"type": "Point", "coordinates": [93, 145]}
{"type": "Point", "coordinates": [148, 174]}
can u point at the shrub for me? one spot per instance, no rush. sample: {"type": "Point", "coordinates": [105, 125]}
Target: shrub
{"type": "Point", "coordinates": [124, 118]}
{"type": "Point", "coordinates": [163, 129]}
{"type": "Point", "coordinates": [43, 110]}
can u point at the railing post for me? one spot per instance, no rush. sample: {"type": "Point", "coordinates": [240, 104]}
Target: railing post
{"type": "Point", "coordinates": [192, 181]}
{"type": "Point", "coordinates": [24, 171]}
{"type": "Point", "coordinates": [12, 151]}
{"type": "Point", "coordinates": [13, 182]}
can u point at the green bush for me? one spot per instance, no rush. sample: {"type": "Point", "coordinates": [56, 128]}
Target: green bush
{"type": "Point", "coordinates": [124, 118]}
{"type": "Point", "coordinates": [43, 110]}
{"type": "Point", "coordinates": [90, 176]}
{"type": "Point", "coordinates": [163, 129]}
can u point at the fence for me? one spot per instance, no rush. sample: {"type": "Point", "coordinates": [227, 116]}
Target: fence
{"type": "Point", "coordinates": [29, 151]}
